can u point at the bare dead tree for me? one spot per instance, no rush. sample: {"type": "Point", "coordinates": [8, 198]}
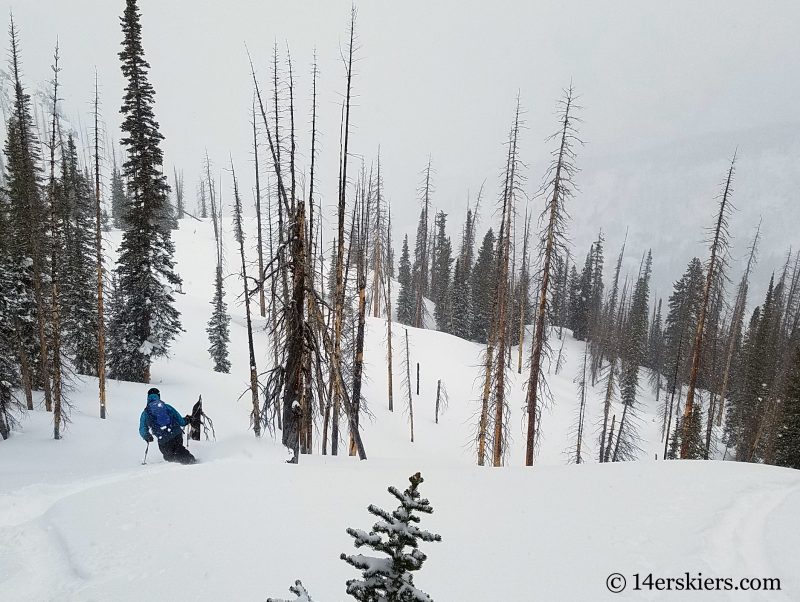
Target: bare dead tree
{"type": "Point", "coordinates": [442, 399]}
{"type": "Point", "coordinates": [716, 263]}
{"type": "Point", "coordinates": [523, 292]}
{"type": "Point", "coordinates": [101, 327]}
{"type": "Point", "coordinates": [255, 415]}
{"type": "Point", "coordinates": [361, 279]}
{"type": "Point", "coordinates": [407, 386]}
{"type": "Point", "coordinates": [389, 376]}
{"type": "Point", "coordinates": [55, 264]}
{"type": "Point", "coordinates": [262, 305]}
{"type": "Point", "coordinates": [611, 385]}
{"type": "Point", "coordinates": [501, 294]}
{"type": "Point", "coordinates": [559, 187]}
{"type": "Point", "coordinates": [581, 415]}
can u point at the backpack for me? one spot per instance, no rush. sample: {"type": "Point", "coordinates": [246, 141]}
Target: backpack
{"type": "Point", "coordinates": [162, 422]}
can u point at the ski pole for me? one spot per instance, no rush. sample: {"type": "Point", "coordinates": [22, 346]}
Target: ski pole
{"type": "Point", "coordinates": [145, 453]}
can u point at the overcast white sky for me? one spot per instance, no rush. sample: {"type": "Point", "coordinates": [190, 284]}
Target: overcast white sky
{"type": "Point", "coordinates": [440, 78]}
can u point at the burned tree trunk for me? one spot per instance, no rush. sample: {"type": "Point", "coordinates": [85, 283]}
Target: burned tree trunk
{"type": "Point", "coordinates": [719, 245]}
{"type": "Point", "coordinates": [560, 186]}
{"type": "Point", "coordinates": [502, 296]}
{"type": "Point", "coordinates": [262, 305]}
{"type": "Point", "coordinates": [255, 416]}
{"type": "Point", "coordinates": [408, 389]}
{"type": "Point", "coordinates": [55, 267]}
{"type": "Point", "coordinates": [339, 297]}
{"type": "Point", "coordinates": [101, 327]}
{"type": "Point", "coordinates": [389, 375]}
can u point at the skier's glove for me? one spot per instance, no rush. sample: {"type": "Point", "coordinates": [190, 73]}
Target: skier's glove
{"type": "Point", "coordinates": [149, 438]}
{"type": "Point", "coordinates": [187, 419]}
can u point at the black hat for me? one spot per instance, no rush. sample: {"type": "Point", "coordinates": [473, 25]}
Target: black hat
{"type": "Point", "coordinates": [154, 390]}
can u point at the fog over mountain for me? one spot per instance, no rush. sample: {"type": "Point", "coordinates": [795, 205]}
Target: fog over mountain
{"type": "Point", "coordinates": [667, 97]}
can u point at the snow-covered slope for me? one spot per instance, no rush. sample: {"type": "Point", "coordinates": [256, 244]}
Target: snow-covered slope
{"type": "Point", "coordinates": [82, 519]}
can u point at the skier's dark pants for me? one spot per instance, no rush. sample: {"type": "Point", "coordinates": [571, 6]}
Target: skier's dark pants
{"type": "Point", "coordinates": [174, 451]}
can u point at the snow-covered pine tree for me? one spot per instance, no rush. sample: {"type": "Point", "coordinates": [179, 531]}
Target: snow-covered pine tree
{"type": "Point", "coordinates": [581, 299]}
{"type": "Point", "coordinates": [787, 439]}
{"type": "Point", "coordinates": [679, 328]}
{"type": "Point", "coordinates": [420, 270]}
{"type": "Point", "coordinates": [573, 298]}
{"type": "Point", "coordinates": [607, 345]}
{"type": "Point", "coordinates": [10, 407]}
{"type": "Point", "coordinates": [737, 320]}
{"type": "Point", "coordinates": [78, 273]}
{"type": "Point", "coordinates": [300, 592]}
{"type": "Point", "coordinates": [752, 387]}
{"type": "Point", "coordinates": [218, 327]}
{"type": "Point", "coordinates": [440, 275]}
{"type": "Point", "coordinates": [397, 536]}
{"type": "Point", "coordinates": [633, 355]}
{"type": "Point", "coordinates": [405, 298]}
{"type": "Point", "coordinates": [148, 319]}
{"type": "Point", "coordinates": [598, 287]}
{"type": "Point", "coordinates": [460, 297]}
{"type": "Point", "coordinates": [202, 199]}
{"type": "Point", "coordinates": [119, 200]}
{"type": "Point", "coordinates": [482, 284]}
{"type": "Point", "coordinates": [28, 237]}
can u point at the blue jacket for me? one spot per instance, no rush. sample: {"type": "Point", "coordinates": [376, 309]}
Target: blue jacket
{"type": "Point", "coordinates": [157, 412]}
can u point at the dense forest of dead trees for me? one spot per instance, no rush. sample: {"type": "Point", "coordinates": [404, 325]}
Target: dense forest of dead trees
{"type": "Point", "coordinates": [723, 362]}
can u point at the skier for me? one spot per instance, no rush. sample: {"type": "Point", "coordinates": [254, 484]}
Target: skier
{"type": "Point", "coordinates": [165, 422]}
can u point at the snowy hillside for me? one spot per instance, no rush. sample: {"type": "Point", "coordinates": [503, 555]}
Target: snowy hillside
{"type": "Point", "coordinates": [82, 519]}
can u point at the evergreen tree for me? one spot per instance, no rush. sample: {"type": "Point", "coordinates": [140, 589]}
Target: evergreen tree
{"type": "Point", "coordinates": [633, 357]}
{"type": "Point", "coordinates": [596, 294]}
{"type": "Point", "coordinates": [115, 342]}
{"type": "Point", "coordinates": [119, 199]}
{"type": "Point", "coordinates": [27, 243]}
{"type": "Point", "coordinates": [574, 301]}
{"type": "Point", "coordinates": [405, 298]}
{"type": "Point", "coordinates": [681, 323]}
{"type": "Point", "coordinates": [148, 321]}
{"type": "Point", "coordinates": [440, 275]}
{"type": "Point", "coordinates": [753, 386]}
{"type": "Point", "coordinates": [787, 444]}
{"type": "Point", "coordinates": [396, 535]}
{"type": "Point", "coordinates": [460, 301]}
{"type": "Point", "coordinates": [482, 284]}
{"type": "Point", "coordinates": [202, 200]}
{"type": "Point", "coordinates": [218, 328]}
{"type": "Point", "coordinates": [420, 270]}
{"type": "Point", "coordinates": [581, 301]}
{"type": "Point", "coordinates": [78, 274]}
{"type": "Point", "coordinates": [300, 592]}
{"type": "Point", "coordinates": [10, 407]}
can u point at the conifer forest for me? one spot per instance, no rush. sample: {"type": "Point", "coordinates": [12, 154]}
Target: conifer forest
{"type": "Point", "coordinates": [321, 249]}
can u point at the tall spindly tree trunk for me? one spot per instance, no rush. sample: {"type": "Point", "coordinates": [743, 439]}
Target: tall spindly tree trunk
{"type": "Point", "coordinates": [719, 246]}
